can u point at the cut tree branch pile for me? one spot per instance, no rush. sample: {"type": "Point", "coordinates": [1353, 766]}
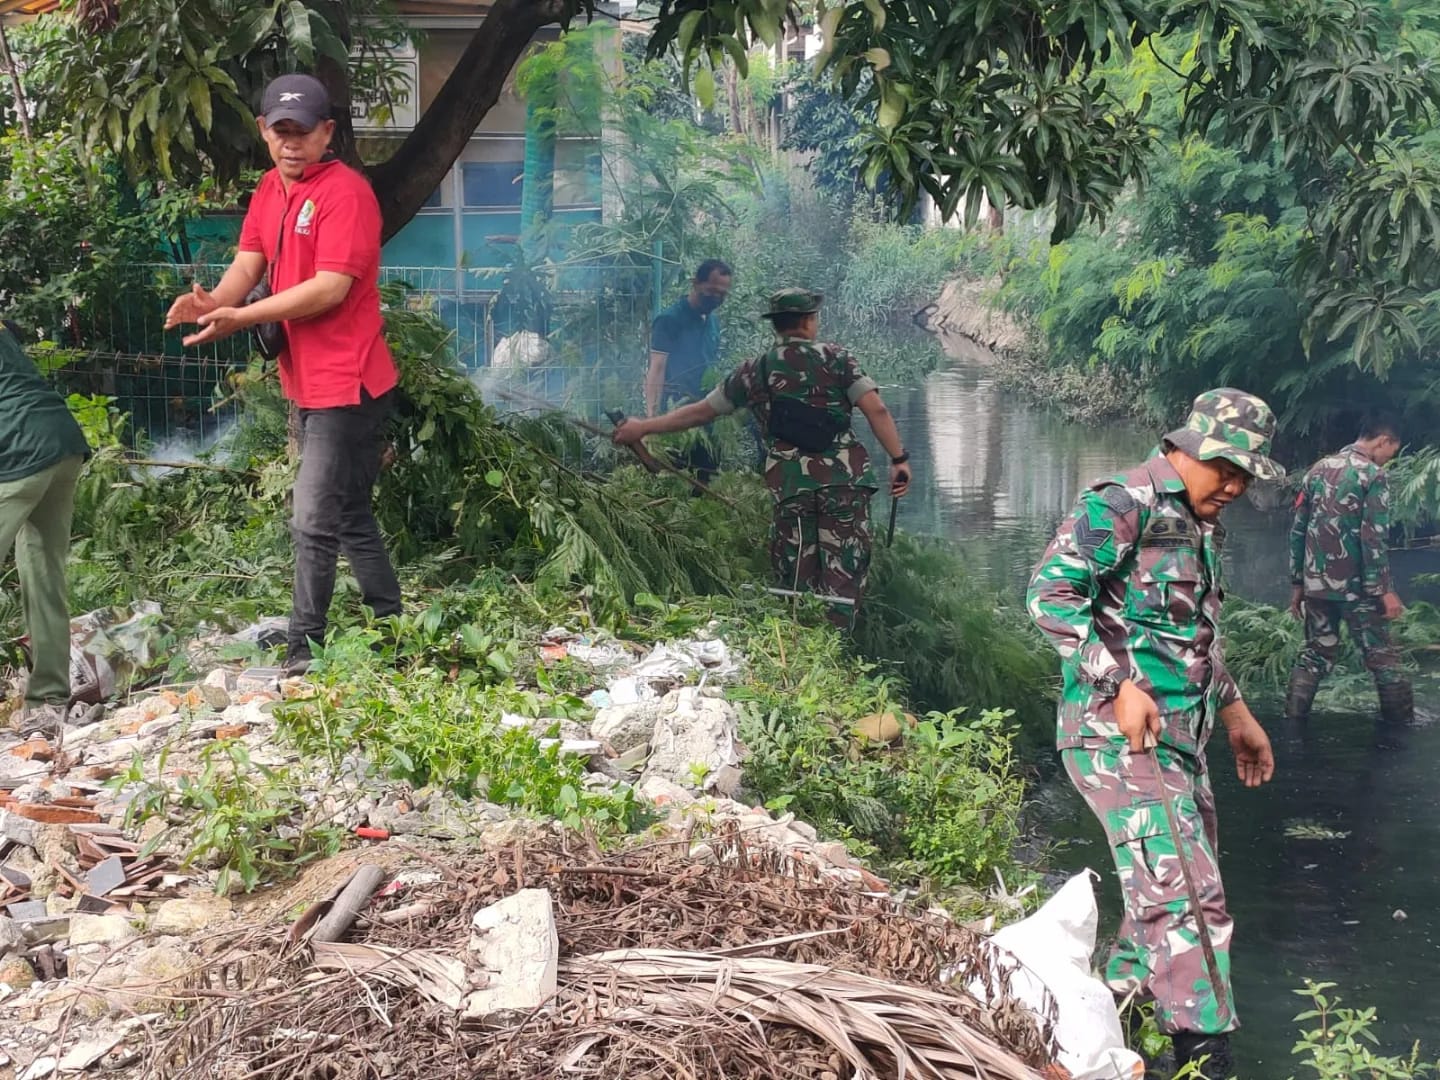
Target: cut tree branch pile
{"type": "Point", "coordinates": [738, 964]}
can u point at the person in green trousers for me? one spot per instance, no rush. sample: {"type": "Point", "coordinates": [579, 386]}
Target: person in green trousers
{"type": "Point", "coordinates": [42, 451]}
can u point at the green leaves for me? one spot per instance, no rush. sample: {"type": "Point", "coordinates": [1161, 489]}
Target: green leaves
{"type": "Point", "coordinates": [295, 17]}
{"type": "Point", "coordinates": [163, 88]}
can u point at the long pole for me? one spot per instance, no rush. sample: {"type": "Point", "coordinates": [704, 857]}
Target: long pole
{"type": "Point", "coordinates": [1207, 947]}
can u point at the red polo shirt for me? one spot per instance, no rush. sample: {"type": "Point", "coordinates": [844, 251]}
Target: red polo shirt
{"type": "Point", "coordinates": [330, 221]}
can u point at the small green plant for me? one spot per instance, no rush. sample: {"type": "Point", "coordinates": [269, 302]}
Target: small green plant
{"type": "Point", "coordinates": [959, 790]}
{"type": "Point", "coordinates": [696, 772]}
{"type": "Point", "coordinates": [1340, 1045]}
{"type": "Point", "coordinates": [245, 819]}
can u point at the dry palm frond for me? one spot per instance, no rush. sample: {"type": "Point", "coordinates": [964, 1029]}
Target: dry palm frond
{"type": "Point", "coordinates": [440, 978]}
{"type": "Point", "coordinates": [880, 1028]}
{"type": "Point", "coordinates": [761, 991]}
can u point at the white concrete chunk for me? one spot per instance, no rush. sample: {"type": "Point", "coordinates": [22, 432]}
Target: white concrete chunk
{"type": "Point", "coordinates": [516, 948]}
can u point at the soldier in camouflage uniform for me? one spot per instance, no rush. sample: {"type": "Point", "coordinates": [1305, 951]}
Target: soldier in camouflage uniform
{"type": "Point", "coordinates": [1340, 572]}
{"type": "Point", "coordinates": [803, 392]}
{"type": "Point", "coordinates": [1129, 594]}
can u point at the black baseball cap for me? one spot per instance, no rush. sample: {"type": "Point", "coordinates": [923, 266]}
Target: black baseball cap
{"type": "Point", "coordinates": [299, 98]}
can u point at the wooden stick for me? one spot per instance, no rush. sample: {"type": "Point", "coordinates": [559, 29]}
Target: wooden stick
{"type": "Point", "coordinates": [151, 464]}
{"type": "Point", "coordinates": [348, 905]}
{"type": "Point", "coordinates": [647, 459]}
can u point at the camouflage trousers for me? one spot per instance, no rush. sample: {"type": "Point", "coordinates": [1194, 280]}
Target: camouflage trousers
{"type": "Point", "coordinates": [1367, 630]}
{"type": "Point", "coordinates": [820, 543]}
{"type": "Point", "coordinates": [1157, 955]}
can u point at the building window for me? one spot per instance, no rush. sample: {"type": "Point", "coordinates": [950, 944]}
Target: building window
{"type": "Point", "coordinates": [577, 173]}
{"type": "Point", "coordinates": [492, 183]}
{"type": "Point", "coordinates": [436, 200]}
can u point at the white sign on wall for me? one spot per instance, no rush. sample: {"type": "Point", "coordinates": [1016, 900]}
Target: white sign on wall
{"type": "Point", "coordinates": [404, 104]}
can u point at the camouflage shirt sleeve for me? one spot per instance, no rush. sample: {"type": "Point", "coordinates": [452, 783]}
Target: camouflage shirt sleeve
{"type": "Point", "coordinates": [1226, 688]}
{"type": "Point", "coordinates": [734, 393]}
{"type": "Point", "coordinates": [1375, 538]}
{"type": "Point", "coordinates": [1299, 529]}
{"type": "Point", "coordinates": [856, 383]}
{"type": "Point", "coordinates": [1092, 543]}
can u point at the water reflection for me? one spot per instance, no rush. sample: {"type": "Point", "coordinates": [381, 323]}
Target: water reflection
{"type": "Point", "coordinates": [990, 467]}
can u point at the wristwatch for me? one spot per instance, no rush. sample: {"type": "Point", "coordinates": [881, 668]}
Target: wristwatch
{"type": "Point", "coordinates": [1108, 684]}
{"type": "Point", "coordinates": [902, 459]}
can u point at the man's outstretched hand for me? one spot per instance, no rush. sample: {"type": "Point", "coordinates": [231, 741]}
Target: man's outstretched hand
{"type": "Point", "coordinates": [188, 307]}
{"type": "Point", "coordinates": [629, 432]}
{"type": "Point", "coordinates": [1254, 759]}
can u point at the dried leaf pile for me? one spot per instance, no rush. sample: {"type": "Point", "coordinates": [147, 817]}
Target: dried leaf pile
{"type": "Point", "coordinates": [752, 967]}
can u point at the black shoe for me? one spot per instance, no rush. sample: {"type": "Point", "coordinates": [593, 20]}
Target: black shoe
{"type": "Point", "coordinates": [1215, 1049]}
{"type": "Point", "coordinates": [1397, 703]}
{"type": "Point", "coordinates": [297, 661]}
{"type": "Point", "coordinates": [1301, 694]}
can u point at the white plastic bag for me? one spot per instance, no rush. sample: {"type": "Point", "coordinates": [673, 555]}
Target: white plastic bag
{"type": "Point", "coordinates": [1053, 948]}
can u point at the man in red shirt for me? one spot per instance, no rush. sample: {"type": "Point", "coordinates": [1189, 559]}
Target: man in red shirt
{"type": "Point", "coordinates": [313, 232]}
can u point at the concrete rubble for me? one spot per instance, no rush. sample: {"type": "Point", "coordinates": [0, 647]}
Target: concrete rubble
{"type": "Point", "coordinates": [95, 926]}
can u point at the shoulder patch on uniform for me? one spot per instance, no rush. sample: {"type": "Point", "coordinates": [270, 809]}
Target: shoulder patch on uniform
{"type": "Point", "coordinates": [1090, 539]}
{"type": "Point", "coordinates": [1118, 498]}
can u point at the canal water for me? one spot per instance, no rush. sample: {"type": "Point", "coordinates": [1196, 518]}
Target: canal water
{"type": "Point", "coordinates": [999, 473]}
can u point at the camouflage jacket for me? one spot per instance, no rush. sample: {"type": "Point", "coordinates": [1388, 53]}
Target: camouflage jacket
{"type": "Point", "coordinates": [1338, 541]}
{"type": "Point", "coordinates": [1130, 587]}
{"type": "Point", "coordinates": [822, 375]}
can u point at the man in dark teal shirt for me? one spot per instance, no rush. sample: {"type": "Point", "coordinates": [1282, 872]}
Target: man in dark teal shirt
{"type": "Point", "coordinates": [685, 340]}
{"type": "Point", "coordinates": [684, 345]}
{"type": "Point", "coordinates": [42, 451]}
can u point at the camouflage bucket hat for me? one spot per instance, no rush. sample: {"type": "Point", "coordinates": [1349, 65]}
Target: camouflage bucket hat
{"type": "Point", "coordinates": [1234, 426]}
{"type": "Point", "coordinates": [793, 301]}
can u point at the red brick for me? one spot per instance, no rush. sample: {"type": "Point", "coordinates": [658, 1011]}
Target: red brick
{"type": "Point", "coordinates": [34, 750]}
{"type": "Point", "coordinates": [48, 814]}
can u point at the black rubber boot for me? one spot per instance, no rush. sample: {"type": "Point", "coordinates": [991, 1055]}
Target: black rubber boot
{"type": "Point", "coordinates": [1300, 695]}
{"type": "Point", "coordinates": [1219, 1065]}
{"type": "Point", "coordinates": [1397, 703]}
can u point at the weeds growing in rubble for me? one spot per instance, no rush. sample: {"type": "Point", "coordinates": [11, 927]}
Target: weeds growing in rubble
{"type": "Point", "coordinates": [245, 819]}
{"type": "Point", "coordinates": [428, 730]}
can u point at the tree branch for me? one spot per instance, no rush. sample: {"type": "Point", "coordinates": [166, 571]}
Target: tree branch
{"type": "Point", "coordinates": [415, 170]}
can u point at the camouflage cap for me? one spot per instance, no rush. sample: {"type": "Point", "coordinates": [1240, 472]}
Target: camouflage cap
{"type": "Point", "coordinates": [1232, 425]}
{"type": "Point", "coordinates": [794, 301]}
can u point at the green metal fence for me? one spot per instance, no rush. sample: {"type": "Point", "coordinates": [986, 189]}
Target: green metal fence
{"type": "Point", "coordinates": [573, 337]}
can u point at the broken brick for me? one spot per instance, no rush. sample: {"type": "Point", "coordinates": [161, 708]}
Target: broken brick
{"type": "Point", "coordinates": [232, 731]}
{"type": "Point", "coordinates": [34, 750]}
{"type": "Point", "coordinates": [48, 814]}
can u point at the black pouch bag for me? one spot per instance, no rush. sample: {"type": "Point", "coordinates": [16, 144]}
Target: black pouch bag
{"type": "Point", "coordinates": [804, 426]}
{"type": "Point", "coordinates": [270, 340]}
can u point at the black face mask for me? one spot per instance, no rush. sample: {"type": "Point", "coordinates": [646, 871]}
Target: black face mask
{"type": "Point", "coordinates": [706, 303]}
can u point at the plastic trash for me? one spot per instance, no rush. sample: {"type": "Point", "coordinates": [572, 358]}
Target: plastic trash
{"type": "Point", "coordinates": [1053, 949]}
{"type": "Point", "coordinates": [113, 650]}
{"type": "Point", "coordinates": [266, 633]}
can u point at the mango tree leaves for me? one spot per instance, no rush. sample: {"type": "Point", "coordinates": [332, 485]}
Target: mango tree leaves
{"type": "Point", "coordinates": [169, 88]}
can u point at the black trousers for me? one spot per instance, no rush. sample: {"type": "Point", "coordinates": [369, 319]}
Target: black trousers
{"type": "Point", "coordinates": [339, 463]}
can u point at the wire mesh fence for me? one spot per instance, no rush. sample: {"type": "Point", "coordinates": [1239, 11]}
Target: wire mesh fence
{"type": "Point", "coordinates": [572, 337]}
